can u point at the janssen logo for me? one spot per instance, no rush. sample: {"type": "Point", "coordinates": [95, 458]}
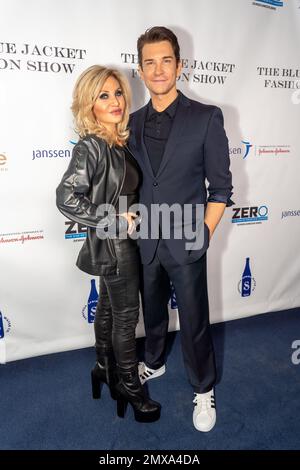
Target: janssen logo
{"type": "Point", "coordinates": [290, 213]}
{"type": "Point", "coordinates": [249, 215]}
{"type": "Point", "coordinates": [242, 151]}
{"type": "Point", "coordinates": [49, 154]}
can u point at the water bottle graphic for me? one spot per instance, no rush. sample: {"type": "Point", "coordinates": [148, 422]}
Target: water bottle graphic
{"type": "Point", "coordinates": [92, 302]}
{"type": "Point", "coordinates": [173, 297]}
{"type": "Point", "coordinates": [1, 327]}
{"type": "Point", "coordinates": [246, 280]}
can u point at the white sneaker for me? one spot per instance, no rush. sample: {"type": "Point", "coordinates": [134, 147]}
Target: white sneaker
{"type": "Point", "coordinates": [204, 415]}
{"type": "Point", "coordinates": [145, 373]}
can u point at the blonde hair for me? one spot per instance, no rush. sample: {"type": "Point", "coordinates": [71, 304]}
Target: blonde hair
{"type": "Point", "coordinates": [86, 91]}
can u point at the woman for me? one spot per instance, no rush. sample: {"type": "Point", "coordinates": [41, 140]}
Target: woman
{"type": "Point", "coordinates": [100, 172]}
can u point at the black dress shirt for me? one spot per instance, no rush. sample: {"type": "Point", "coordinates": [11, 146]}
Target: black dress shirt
{"type": "Point", "coordinates": [156, 132]}
{"type": "Point", "coordinates": [132, 180]}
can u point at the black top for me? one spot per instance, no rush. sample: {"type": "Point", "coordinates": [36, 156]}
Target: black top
{"type": "Point", "coordinates": [156, 132]}
{"type": "Point", "coordinates": [132, 180]}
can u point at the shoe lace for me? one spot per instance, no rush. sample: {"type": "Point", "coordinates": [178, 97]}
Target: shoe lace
{"type": "Point", "coordinates": [203, 400]}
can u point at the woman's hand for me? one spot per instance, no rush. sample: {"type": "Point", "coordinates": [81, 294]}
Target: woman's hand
{"type": "Point", "coordinates": [129, 216]}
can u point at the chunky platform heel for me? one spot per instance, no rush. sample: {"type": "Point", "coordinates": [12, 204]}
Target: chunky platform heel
{"type": "Point", "coordinates": [147, 417]}
{"type": "Point", "coordinates": [130, 390]}
{"type": "Point", "coordinates": [100, 375]}
{"type": "Point", "coordinates": [121, 407]}
{"type": "Point", "coordinates": [96, 385]}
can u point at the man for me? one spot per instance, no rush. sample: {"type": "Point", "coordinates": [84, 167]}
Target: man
{"type": "Point", "coordinates": [178, 143]}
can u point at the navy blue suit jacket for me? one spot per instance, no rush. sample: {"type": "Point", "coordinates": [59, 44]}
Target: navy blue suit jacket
{"type": "Point", "coordinates": [196, 151]}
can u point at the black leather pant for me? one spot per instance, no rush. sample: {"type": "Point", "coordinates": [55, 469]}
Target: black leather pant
{"type": "Point", "coordinates": [117, 310]}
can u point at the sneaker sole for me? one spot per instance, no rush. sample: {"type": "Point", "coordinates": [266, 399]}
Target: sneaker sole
{"type": "Point", "coordinates": [206, 429]}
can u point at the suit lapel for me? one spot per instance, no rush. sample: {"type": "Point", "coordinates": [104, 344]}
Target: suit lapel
{"type": "Point", "coordinates": [140, 143]}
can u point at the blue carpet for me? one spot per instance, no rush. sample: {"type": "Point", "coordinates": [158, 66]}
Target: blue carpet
{"type": "Point", "coordinates": [45, 402]}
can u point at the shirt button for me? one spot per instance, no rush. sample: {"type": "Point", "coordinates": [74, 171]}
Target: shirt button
{"type": "Point", "coordinates": [155, 183]}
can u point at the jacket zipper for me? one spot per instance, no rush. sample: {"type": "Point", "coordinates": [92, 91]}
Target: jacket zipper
{"type": "Point", "coordinates": [109, 240]}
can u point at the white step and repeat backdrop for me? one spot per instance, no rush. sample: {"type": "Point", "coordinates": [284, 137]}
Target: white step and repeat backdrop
{"type": "Point", "coordinates": [241, 55]}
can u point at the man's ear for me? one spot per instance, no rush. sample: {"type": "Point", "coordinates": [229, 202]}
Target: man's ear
{"type": "Point", "coordinates": [140, 72]}
{"type": "Point", "coordinates": [179, 68]}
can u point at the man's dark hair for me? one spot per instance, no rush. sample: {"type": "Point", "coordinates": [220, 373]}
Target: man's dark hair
{"type": "Point", "coordinates": [158, 34]}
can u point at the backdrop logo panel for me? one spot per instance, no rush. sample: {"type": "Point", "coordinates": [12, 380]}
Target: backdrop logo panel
{"type": "Point", "coordinates": [39, 57]}
{"type": "Point", "coordinates": [1, 327]}
{"type": "Point", "coordinates": [205, 71]}
{"type": "Point", "coordinates": [247, 148]}
{"type": "Point", "coordinates": [50, 153]}
{"type": "Point", "coordinates": [194, 70]}
{"type": "Point", "coordinates": [3, 162]}
{"type": "Point", "coordinates": [243, 151]}
{"type": "Point", "coordinates": [5, 326]}
{"type": "Point", "coordinates": [249, 215]}
{"type": "Point", "coordinates": [272, 150]}
{"type": "Point", "coordinates": [21, 237]}
{"type": "Point", "coordinates": [89, 310]}
{"type": "Point", "coordinates": [279, 78]}
{"type": "Point", "coordinates": [247, 284]}
{"type": "Point", "coordinates": [290, 213]}
{"type": "Point", "coordinates": [75, 231]}
{"type": "Point", "coordinates": [271, 4]}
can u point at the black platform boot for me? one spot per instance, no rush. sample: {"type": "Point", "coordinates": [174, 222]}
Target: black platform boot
{"type": "Point", "coordinates": [104, 372]}
{"type": "Point", "coordinates": [129, 389]}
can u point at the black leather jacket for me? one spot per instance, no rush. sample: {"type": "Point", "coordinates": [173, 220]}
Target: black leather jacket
{"type": "Point", "coordinates": [94, 176]}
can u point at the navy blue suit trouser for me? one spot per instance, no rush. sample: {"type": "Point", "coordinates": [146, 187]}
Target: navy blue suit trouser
{"type": "Point", "coordinates": [190, 284]}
